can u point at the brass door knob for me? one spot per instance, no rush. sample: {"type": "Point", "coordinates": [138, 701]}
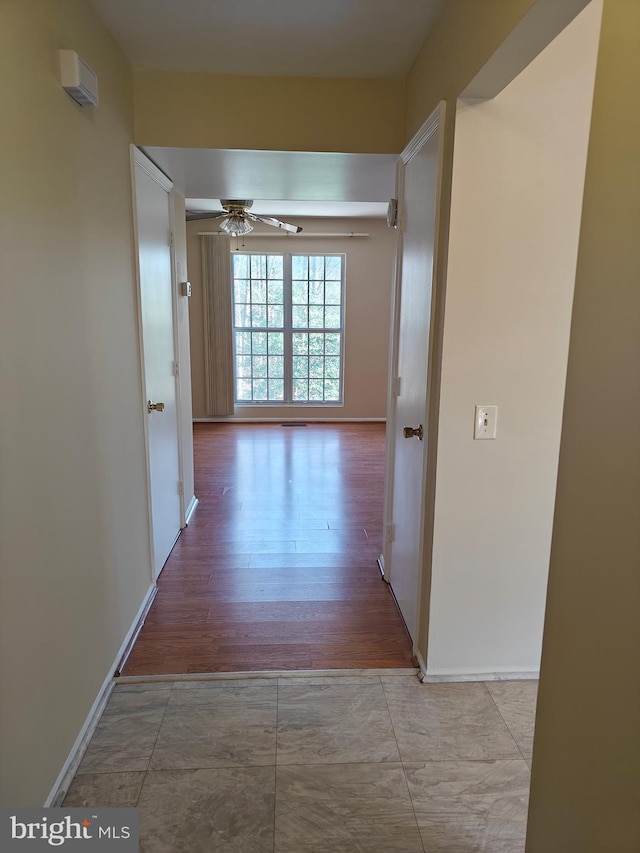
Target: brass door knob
{"type": "Point", "coordinates": [413, 432]}
{"type": "Point", "coordinates": [154, 407]}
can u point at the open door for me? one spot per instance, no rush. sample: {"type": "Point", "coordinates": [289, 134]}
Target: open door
{"type": "Point", "coordinates": [155, 276]}
{"type": "Point", "coordinates": [408, 440]}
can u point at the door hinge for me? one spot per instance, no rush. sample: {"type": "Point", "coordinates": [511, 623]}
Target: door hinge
{"type": "Point", "coordinates": [170, 239]}
{"type": "Point", "coordinates": [390, 533]}
{"type": "Point", "coordinates": [176, 368]}
{"type": "Point", "coordinates": [395, 386]}
{"type": "Point", "coordinates": [180, 487]}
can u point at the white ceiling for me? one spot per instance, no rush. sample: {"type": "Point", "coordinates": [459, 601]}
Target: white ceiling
{"type": "Point", "coordinates": [282, 183]}
{"type": "Point", "coordinates": [305, 38]}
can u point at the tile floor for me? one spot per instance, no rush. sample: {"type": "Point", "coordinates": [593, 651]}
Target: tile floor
{"type": "Point", "coordinates": [366, 764]}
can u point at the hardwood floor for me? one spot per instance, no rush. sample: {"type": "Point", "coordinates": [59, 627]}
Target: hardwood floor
{"type": "Point", "coordinates": [277, 569]}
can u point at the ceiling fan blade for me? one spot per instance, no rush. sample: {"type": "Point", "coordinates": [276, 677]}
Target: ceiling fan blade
{"type": "Point", "coordinates": [277, 223]}
{"type": "Point", "coordinates": [192, 215]}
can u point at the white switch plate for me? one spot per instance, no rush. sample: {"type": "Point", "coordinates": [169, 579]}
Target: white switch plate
{"type": "Point", "coordinates": [486, 422]}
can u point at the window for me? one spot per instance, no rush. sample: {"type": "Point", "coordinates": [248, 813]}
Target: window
{"type": "Point", "coordinates": [288, 328]}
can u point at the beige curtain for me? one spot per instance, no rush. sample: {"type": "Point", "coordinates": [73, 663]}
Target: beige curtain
{"type": "Point", "coordinates": [218, 324]}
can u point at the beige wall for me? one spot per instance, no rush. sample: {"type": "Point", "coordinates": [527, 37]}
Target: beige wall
{"type": "Point", "coordinates": [586, 758]}
{"type": "Point", "coordinates": [518, 174]}
{"type": "Point", "coordinates": [73, 502]}
{"type": "Point", "coordinates": [369, 269]}
{"type": "Point", "coordinates": [280, 113]}
{"type": "Point", "coordinates": [464, 37]}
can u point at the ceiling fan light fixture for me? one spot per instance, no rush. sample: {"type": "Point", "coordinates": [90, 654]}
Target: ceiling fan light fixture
{"type": "Point", "coordinates": [236, 225]}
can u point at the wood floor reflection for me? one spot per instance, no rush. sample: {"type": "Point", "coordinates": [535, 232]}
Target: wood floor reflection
{"type": "Point", "coordinates": [277, 569]}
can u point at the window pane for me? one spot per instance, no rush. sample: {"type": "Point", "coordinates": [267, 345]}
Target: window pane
{"type": "Point", "coordinates": [332, 318]}
{"type": "Point", "coordinates": [299, 317]}
{"type": "Point", "coordinates": [241, 266]}
{"type": "Point", "coordinates": [275, 292]}
{"type": "Point", "coordinates": [258, 266]}
{"type": "Point", "coordinates": [332, 343]}
{"type": "Point", "coordinates": [316, 268]}
{"type": "Point", "coordinates": [331, 389]}
{"type": "Point", "coordinates": [243, 342]}
{"type": "Point", "coordinates": [316, 317]}
{"type": "Point", "coordinates": [275, 316]}
{"type": "Point", "coordinates": [300, 389]}
{"type": "Point", "coordinates": [299, 292]}
{"type": "Point", "coordinates": [316, 293]}
{"type": "Point", "coordinates": [316, 344]}
{"type": "Point", "coordinates": [244, 389]}
{"type": "Point", "coordinates": [332, 368]}
{"type": "Point", "coordinates": [333, 268]}
{"type": "Point", "coordinates": [332, 292]}
{"type": "Point", "coordinates": [241, 290]}
{"type": "Point", "coordinates": [274, 266]}
{"type": "Point", "coordinates": [300, 366]}
{"type": "Point", "coordinates": [276, 367]}
{"type": "Point", "coordinates": [276, 343]}
{"type": "Point", "coordinates": [259, 343]}
{"type": "Point", "coordinates": [259, 366]}
{"type": "Point", "coordinates": [243, 366]}
{"type": "Point", "coordinates": [259, 316]}
{"type": "Point", "coordinates": [316, 389]}
{"type": "Point", "coordinates": [260, 388]}
{"type": "Point", "coordinates": [276, 389]}
{"type": "Point", "coordinates": [301, 342]}
{"type": "Point", "coordinates": [243, 315]}
{"type": "Point", "coordinates": [316, 367]}
{"type": "Point", "coordinates": [299, 266]}
{"type": "Point", "coordinates": [258, 291]}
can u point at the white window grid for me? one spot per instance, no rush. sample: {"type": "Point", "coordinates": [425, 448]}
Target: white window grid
{"type": "Point", "coordinates": [260, 349]}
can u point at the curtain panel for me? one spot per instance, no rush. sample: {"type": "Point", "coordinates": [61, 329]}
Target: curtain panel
{"type": "Point", "coordinates": [218, 324]}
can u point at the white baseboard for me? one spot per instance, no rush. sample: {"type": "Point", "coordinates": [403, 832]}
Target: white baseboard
{"type": "Point", "coordinates": [69, 768]}
{"type": "Point", "coordinates": [193, 503]}
{"type": "Point", "coordinates": [446, 677]}
{"type": "Point", "coordinates": [380, 562]}
{"type": "Point", "coordinates": [288, 420]}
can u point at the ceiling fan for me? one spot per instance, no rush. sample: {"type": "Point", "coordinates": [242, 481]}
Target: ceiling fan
{"type": "Point", "coordinates": [237, 220]}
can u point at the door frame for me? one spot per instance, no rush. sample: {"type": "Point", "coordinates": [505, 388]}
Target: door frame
{"type": "Point", "coordinates": [138, 158]}
{"type": "Point", "coordinates": [436, 123]}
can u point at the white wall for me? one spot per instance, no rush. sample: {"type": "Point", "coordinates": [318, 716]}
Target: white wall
{"type": "Point", "coordinates": [519, 166]}
{"type": "Point", "coordinates": [74, 538]}
{"type": "Point", "coordinates": [369, 271]}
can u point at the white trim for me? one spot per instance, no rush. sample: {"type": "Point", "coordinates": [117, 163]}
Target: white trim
{"type": "Point", "coordinates": [70, 766]}
{"type": "Point", "coordinates": [266, 674]}
{"type": "Point", "coordinates": [136, 157]}
{"type": "Point", "coordinates": [193, 503]}
{"type": "Point", "coordinates": [176, 353]}
{"type": "Point", "coordinates": [464, 676]}
{"type": "Point", "coordinates": [285, 419]}
{"type": "Point", "coordinates": [150, 168]}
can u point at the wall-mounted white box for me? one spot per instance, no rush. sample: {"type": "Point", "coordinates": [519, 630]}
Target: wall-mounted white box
{"type": "Point", "coordinates": [78, 79]}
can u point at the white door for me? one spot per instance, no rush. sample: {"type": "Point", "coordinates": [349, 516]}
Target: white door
{"type": "Point", "coordinates": [418, 179]}
{"type": "Point", "coordinates": [152, 194]}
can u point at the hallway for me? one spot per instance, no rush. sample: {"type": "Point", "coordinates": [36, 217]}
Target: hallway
{"type": "Point", "coordinates": [277, 569]}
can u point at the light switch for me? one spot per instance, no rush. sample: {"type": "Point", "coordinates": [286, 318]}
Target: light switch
{"type": "Point", "coordinates": [486, 422]}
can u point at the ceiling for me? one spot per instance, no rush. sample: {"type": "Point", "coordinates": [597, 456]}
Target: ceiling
{"type": "Point", "coordinates": [317, 38]}
{"type": "Point", "coordinates": [302, 38]}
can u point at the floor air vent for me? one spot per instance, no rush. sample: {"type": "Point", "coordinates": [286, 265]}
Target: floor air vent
{"type": "Point", "coordinates": [293, 425]}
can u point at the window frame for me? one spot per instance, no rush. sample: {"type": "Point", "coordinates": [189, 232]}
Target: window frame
{"type": "Point", "coordinates": [287, 330]}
